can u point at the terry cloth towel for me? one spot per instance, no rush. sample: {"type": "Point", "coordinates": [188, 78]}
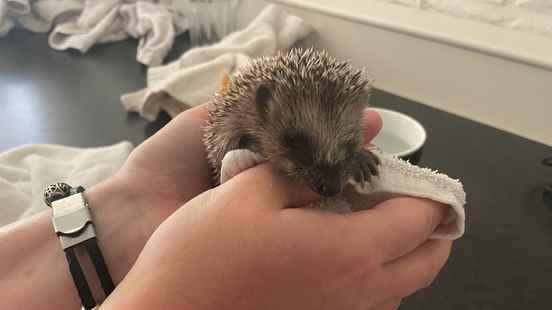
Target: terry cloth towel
{"type": "Point", "coordinates": [81, 24]}
{"type": "Point", "coordinates": [193, 78]}
{"type": "Point", "coordinates": [396, 178]}
{"type": "Point", "coordinates": [25, 171]}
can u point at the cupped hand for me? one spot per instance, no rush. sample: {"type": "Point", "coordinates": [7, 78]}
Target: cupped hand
{"type": "Point", "coordinates": [171, 167]}
{"type": "Point", "coordinates": [241, 246]}
{"type": "Point", "coordinates": [160, 175]}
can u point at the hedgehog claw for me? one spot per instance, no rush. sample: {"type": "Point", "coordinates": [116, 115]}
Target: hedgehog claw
{"type": "Point", "coordinates": [366, 169]}
{"type": "Point", "coordinates": [359, 175]}
{"type": "Point", "coordinates": [366, 166]}
{"type": "Point", "coordinates": [373, 162]}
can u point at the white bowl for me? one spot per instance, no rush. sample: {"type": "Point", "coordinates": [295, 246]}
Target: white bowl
{"type": "Point", "coordinates": [401, 135]}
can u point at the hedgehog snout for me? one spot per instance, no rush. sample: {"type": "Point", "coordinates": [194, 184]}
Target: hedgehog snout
{"type": "Point", "coordinates": [325, 183]}
{"type": "Point", "coordinates": [326, 189]}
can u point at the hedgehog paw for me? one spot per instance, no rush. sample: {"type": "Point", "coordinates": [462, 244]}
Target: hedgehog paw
{"type": "Point", "coordinates": [365, 166]}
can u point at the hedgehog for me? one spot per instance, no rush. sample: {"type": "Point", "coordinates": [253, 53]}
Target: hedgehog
{"type": "Point", "coordinates": [301, 110]}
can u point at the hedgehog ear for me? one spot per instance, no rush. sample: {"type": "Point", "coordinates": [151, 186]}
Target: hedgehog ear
{"type": "Point", "coordinates": [263, 98]}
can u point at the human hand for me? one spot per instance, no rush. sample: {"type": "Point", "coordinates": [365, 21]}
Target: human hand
{"type": "Point", "coordinates": [239, 246]}
{"type": "Point", "coordinates": [160, 175]}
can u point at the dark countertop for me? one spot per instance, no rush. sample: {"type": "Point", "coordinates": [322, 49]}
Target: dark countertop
{"type": "Point", "coordinates": [504, 261]}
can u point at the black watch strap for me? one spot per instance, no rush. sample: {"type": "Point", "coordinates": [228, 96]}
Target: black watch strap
{"type": "Point", "coordinates": [72, 221]}
{"type": "Point", "coordinates": [100, 266]}
{"type": "Point", "coordinates": [85, 294]}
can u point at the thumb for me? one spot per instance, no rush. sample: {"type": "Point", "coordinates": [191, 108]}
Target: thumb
{"type": "Point", "coordinates": [371, 124]}
{"type": "Point", "coordinates": [266, 185]}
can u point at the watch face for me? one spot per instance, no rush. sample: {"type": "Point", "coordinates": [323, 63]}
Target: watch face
{"type": "Point", "coordinates": [55, 192]}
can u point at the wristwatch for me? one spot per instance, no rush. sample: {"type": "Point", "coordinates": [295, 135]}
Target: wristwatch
{"type": "Point", "coordinates": [72, 221]}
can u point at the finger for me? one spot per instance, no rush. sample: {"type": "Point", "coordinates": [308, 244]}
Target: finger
{"type": "Point", "coordinates": [185, 126]}
{"type": "Point", "coordinates": [417, 269]}
{"type": "Point", "coordinates": [199, 111]}
{"type": "Point", "coordinates": [371, 125]}
{"type": "Point", "coordinates": [177, 151]}
{"type": "Point", "coordinates": [392, 229]}
{"type": "Point", "coordinates": [389, 304]}
{"type": "Point", "coordinates": [270, 187]}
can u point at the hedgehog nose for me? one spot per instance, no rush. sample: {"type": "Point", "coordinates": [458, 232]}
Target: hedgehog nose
{"type": "Point", "coordinates": [327, 190]}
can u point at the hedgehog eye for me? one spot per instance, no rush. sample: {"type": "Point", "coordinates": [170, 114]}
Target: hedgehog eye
{"type": "Point", "coordinates": [294, 139]}
{"type": "Point", "coordinates": [263, 97]}
{"type": "Point", "coordinates": [294, 142]}
{"type": "Point", "coordinates": [299, 145]}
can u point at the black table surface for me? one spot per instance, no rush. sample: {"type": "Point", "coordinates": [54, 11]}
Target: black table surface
{"type": "Point", "coordinates": [504, 261]}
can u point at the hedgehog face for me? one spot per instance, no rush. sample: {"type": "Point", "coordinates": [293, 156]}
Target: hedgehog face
{"type": "Point", "coordinates": [324, 168]}
{"type": "Point", "coordinates": [314, 141]}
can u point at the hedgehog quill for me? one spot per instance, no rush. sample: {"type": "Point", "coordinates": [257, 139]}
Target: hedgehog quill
{"type": "Point", "coordinates": [301, 110]}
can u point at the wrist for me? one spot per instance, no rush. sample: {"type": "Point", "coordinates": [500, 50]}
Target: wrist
{"type": "Point", "coordinates": [122, 225]}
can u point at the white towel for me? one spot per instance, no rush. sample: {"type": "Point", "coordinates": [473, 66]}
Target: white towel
{"type": "Point", "coordinates": [6, 24]}
{"type": "Point", "coordinates": [196, 76]}
{"type": "Point", "coordinates": [155, 24]}
{"type": "Point", "coordinates": [81, 24]}
{"type": "Point", "coordinates": [25, 171]}
{"type": "Point", "coordinates": [396, 178]}
{"type": "Point", "coordinates": [37, 16]}
{"type": "Point", "coordinates": [42, 15]}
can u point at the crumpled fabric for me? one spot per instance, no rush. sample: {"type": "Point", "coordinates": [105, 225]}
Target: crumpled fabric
{"type": "Point", "coordinates": [196, 76]}
{"type": "Point", "coordinates": [25, 171]}
{"type": "Point", "coordinates": [396, 177]}
{"type": "Point", "coordinates": [81, 24]}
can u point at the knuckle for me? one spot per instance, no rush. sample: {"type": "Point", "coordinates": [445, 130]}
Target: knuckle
{"type": "Point", "coordinates": [435, 264]}
{"type": "Point", "coordinates": [431, 219]}
{"type": "Point", "coordinates": [429, 278]}
{"type": "Point", "coordinates": [410, 287]}
{"type": "Point", "coordinates": [430, 213]}
{"type": "Point", "coordinates": [395, 304]}
{"type": "Point", "coordinates": [432, 270]}
{"type": "Point", "coordinates": [442, 255]}
{"type": "Point", "coordinates": [390, 304]}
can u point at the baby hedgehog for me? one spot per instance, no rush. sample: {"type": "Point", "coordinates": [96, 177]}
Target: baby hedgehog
{"type": "Point", "coordinates": [301, 110]}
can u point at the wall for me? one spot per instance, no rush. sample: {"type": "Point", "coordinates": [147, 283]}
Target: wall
{"type": "Point", "coordinates": [534, 16]}
{"type": "Point", "coordinates": [493, 75]}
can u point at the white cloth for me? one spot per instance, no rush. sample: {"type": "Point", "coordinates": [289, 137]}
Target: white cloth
{"type": "Point", "coordinates": [197, 75]}
{"type": "Point", "coordinates": [155, 24]}
{"type": "Point", "coordinates": [25, 171]}
{"type": "Point", "coordinates": [396, 178]}
{"type": "Point", "coordinates": [36, 15]}
{"type": "Point", "coordinates": [81, 24]}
